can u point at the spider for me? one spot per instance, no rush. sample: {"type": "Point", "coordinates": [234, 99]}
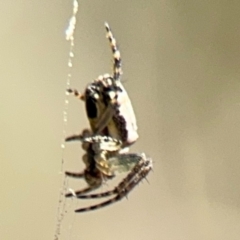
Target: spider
{"type": "Point", "coordinates": [113, 130]}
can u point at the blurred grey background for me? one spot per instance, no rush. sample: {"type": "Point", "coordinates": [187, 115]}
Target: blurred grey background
{"type": "Point", "coordinates": [181, 69]}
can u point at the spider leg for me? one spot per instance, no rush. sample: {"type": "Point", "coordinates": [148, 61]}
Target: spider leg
{"type": "Point", "coordinates": [117, 198]}
{"type": "Point", "coordinates": [139, 167]}
{"type": "Point", "coordinates": [79, 192]}
{"type": "Point", "coordinates": [85, 190]}
{"type": "Point", "coordinates": [86, 133]}
{"type": "Point", "coordinates": [114, 191]}
{"type": "Point", "coordinates": [117, 62]}
{"type": "Point", "coordinates": [75, 93]}
{"type": "Point", "coordinates": [75, 175]}
{"type": "Point", "coordinates": [104, 119]}
{"type": "Point", "coordinates": [124, 190]}
{"type": "Point", "coordinates": [77, 137]}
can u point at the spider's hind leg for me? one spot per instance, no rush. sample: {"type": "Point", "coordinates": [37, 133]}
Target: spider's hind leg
{"type": "Point", "coordinates": [138, 165]}
{"type": "Point", "coordinates": [138, 173]}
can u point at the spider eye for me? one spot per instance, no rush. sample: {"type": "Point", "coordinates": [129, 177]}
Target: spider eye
{"type": "Point", "coordinates": [91, 107]}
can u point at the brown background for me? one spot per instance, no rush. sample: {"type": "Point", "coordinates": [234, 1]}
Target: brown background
{"type": "Point", "coordinates": [181, 68]}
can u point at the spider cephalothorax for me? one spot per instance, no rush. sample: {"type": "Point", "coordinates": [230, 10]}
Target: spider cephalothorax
{"type": "Point", "coordinates": [113, 130]}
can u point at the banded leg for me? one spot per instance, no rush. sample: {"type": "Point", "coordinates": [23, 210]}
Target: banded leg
{"type": "Point", "coordinates": [117, 198]}
{"type": "Point", "coordinates": [80, 192]}
{"type": "Point", "coordinates": [141, 165]}
{"type": "Point", "coordinates": [117, 61]}
{"type": "Point", "coordinates": [92, 178]}
{"type": "Point", "coordinates": [104, 119]}
{"type": "Point", "coordinates": [123, 188]}
{"type": "Point", "coordinates": [80, 137]}
{"type": "Point", "coordinates": [75, 193]}
{"type": "Point", "coordinates": [74, 175]}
